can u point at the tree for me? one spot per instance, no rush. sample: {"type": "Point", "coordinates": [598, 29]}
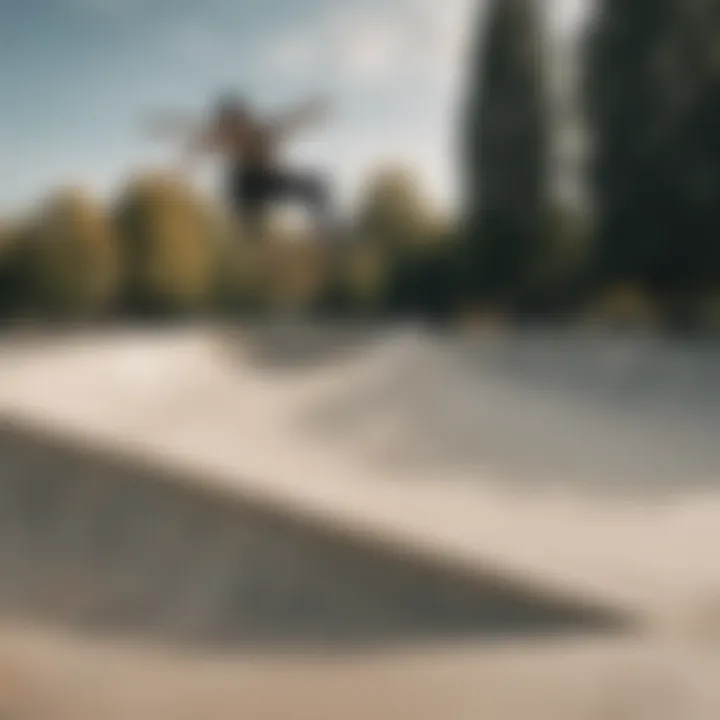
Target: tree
{"type": "Point", "coordinates": [393, 210]}
{"type": "Point", "coordinates": [15, 269]}
{"type": "Point", "coordinates": [73, 257]}
{"type": "Point", "coordinates": [406, 262]}
{"type": "Point", "coordinates": [291, 274]}
{"type": "Point", "coordinates": [168, 240]}
{"type": "Point", "coordinates": [424, 281]}
{"type": "Point", "coordinates": [699, 150]}
{"type": "Point", "coordinates": [506, 152]}
{"type": "Point", "coordinates": [653, 102]}
{"type": "Point", "coordinates": [556, 284]}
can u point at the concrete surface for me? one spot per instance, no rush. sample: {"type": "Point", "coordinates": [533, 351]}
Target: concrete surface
{"type": "Point", "coordinates": [106, 545]}
{"type": "Point", "coordinates": [558, 484]}
{"type": "Point", "coordinates": [55, 676]}
{"type": "Point", "coordinates": [266, 490]}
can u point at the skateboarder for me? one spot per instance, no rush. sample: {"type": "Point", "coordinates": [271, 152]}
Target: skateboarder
{"type": "Point", "coordinates": [251, 146]}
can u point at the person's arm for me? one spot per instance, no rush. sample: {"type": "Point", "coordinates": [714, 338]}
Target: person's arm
{"type": "Point", "coordinates": [309, 113]}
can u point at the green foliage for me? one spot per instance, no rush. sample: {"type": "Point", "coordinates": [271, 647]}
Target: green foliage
{"type": "Point", "coordinates": [424, 281]}
{"type": "Point", "coordinates": [557, 282]}
{"type": "Point", "coordinates": [367, 274]}
{"type": "Point", "coordinates": [506, 148]}
{"type": "Point", "coordinates": [709, 313]}
{"type": "Point", "coordinates": [169, 247]}
{"type": "Point", "coordinates": [405, 258]}
{"type": "Point", "coordinates": [626, 306]}
{"type": "Point", "coordinates": [236, 284]}
{"type": "Point", "coordinates": [653, 100]}
{"type": "Point", "coordinates": [355, 281]}
{"type": "Point", "coordinates": [236, 281]}
{"type": "Point", "coordinates": [393, 210]}
{"type": "Point", "coordinates": [294, 274]}
{"type": "Point", "coordinates": [72, 258]}
{"type": "Point", "coordinates": [15, 269]}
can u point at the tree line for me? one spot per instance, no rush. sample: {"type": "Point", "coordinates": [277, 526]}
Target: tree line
{"type": "Point", "coordinates": [650, 102]}
{"type": "Point", "coordinates": [643, 250]}
{"type": "Point", "coordinates": [161, 250]}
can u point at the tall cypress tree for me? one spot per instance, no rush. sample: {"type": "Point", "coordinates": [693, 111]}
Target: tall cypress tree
{"type": "Point", "coordinates": [653, 100]}
{"type": "Point", "coordinates": [699, 147]}
{"type": "Point", "coordinates": [506, 151]}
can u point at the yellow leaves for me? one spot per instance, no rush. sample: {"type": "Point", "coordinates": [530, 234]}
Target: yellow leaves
{"type": "Point", "coordinates": [394, 211]}
{"type": "Point", "coordinates": [625, 305]}
{"type": "Point", "coordinates": [75, 256]}
{"type": "Point", "coordinates": [166, 233]}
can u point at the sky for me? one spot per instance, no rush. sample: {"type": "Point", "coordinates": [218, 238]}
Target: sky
{"type": "Point", "coordinates": [77, 78]}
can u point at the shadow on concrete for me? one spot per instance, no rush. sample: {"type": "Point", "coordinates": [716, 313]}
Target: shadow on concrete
{"type": "Point", "coordinates": [297, 345]}
{"type": "Point", "coordinates": [115, 547]}
{"type": "Point", "coordinates": [637, 418]}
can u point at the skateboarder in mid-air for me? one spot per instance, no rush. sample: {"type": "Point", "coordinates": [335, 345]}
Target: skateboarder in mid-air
{"type": "Point", "coordinates": [251, 146]}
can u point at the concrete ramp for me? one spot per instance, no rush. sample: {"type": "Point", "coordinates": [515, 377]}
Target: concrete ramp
{"type": "Point", "coordinates": [300, 485]}
{"type": "Point", "coordinates": [102, 543]}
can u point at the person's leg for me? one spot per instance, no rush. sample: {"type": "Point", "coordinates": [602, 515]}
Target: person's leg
{"type": "Point", "coordinates": [250, 195]}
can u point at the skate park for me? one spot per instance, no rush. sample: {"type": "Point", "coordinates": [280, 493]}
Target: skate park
{"type": "Point", "coordinates": [360, 498]}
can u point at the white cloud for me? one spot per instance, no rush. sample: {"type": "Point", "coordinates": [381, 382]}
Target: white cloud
{"type": "Point", "coordinates": [371, 47]}
{"type": "Point", "coordinates": [415, 46]}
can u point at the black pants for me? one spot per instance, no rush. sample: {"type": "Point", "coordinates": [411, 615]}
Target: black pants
{"type": "Point", "coordinates": [254, 190]}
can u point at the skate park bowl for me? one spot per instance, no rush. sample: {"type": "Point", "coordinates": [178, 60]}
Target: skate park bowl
{"type": "Point", "coordinates": [290, 490]}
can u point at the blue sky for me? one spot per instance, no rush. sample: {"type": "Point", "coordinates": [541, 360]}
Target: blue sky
{"type": "Point", "coordinates": [78, 76]}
